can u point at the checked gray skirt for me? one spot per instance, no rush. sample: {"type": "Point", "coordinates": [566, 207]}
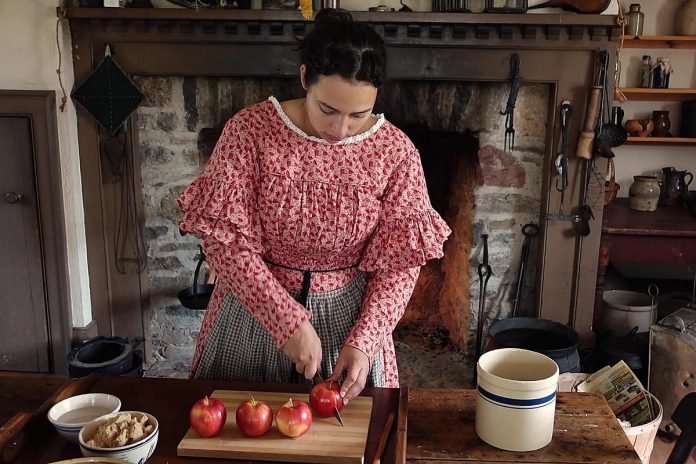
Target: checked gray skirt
{"type": "Point", "coordinates": [240, 348]}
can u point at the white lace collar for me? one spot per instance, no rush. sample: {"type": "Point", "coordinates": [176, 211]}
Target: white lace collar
{"type": "Point", "coordinates": [353, 139]}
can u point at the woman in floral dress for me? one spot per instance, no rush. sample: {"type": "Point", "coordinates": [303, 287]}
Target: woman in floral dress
{"type": "Point", "coordinates": [315, 217]}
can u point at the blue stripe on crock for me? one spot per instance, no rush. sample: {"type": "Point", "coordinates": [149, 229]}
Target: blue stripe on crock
{"type": "Point", "coordinates": [515, 403]}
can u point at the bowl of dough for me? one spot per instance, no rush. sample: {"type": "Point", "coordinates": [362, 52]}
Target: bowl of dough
{"type": "Point", "coordinates": [128, 435]}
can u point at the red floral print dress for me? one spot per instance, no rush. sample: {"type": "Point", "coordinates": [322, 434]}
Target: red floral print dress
{"type": "Point", "coordinates": [272, 193]}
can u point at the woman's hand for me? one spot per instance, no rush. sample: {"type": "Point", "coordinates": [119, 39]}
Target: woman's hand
{"type": "Point", "coordinates": [356, 365]}
{"type": "Point", "coordinates": [304, 349]}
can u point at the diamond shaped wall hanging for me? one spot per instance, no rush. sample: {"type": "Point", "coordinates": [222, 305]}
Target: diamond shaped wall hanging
{"type": "Point", "coordinates": [108, 94]}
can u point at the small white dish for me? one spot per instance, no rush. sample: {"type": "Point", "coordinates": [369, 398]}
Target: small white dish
{"type": "Point", "coordinates": [92, 460]}
{"type": "Point", "coordinates": [135, 453]}
{"type": "Point", "coordinates": [71, 414]}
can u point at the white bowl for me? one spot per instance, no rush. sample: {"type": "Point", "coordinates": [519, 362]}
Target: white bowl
{"type": "Point", "coordinates": [92, 460]}
{"type": "Point", "coordinates": [71, 414]}
{"type": "Point", "coordinates": [136, 453]}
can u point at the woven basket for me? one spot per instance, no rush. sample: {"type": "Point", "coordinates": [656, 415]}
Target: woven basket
{"type": "Point", "coordinates": [610, 186]}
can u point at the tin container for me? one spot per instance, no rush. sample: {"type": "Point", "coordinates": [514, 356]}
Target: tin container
{"type": "Point", "coordinates": [673, 362]}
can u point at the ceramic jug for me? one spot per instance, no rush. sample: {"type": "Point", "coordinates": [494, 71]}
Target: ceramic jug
{"type": "Point", "coordinates": [644, 193]}
{"type": "Point", "coordinates": [674, 186]}
{"type": "Point", "coordinates": [685, 23]}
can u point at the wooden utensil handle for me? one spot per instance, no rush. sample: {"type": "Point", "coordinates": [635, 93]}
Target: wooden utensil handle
{"type": "Point", "coordinates": [21, 420]}
{"type": "Point", "coordinates": [383, 439]}
{"type": "Point", "coordinates": [75, 387]}
{"type": "Point", "coordinates": [10, 430]}
{"type": "Point", "coordinates": [586, 139]}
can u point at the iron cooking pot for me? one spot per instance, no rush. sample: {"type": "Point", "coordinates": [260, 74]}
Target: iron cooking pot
{"type": "Point", "coordinates": [197, 296]}
{"type": "Point", "coordinates": [553, 339]}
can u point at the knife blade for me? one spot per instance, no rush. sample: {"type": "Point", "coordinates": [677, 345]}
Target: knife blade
{"type": "Point", "coordinates": [337, 415]}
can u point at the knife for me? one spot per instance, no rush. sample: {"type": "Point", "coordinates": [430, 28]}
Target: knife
{"type": "Point", "coordinates": [337, 415]}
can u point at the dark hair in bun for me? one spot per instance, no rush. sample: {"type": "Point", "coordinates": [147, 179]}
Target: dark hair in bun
{"type": "Point", "coordinates": [338, 45]}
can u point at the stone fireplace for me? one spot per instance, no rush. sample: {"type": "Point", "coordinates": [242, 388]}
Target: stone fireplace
{"type": "Point", "coordinates": [449, 74]}
{"type": "Point", "coordinates": [458, 130]}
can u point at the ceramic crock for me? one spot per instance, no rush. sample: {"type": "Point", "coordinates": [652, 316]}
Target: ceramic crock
{"type": "Point", "coordinates": [644, 193]}
{"type": "Point", "coordinates": [685, 23]}
{"type": "Point", "coordinates": [516, 399]}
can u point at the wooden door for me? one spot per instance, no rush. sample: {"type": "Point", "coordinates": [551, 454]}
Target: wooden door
{"type": "Point", "coordinates": [24, 335]}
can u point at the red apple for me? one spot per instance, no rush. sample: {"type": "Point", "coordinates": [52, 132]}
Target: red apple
{"type": "Point", "coordinates": [294, 418]}
{"type": "Point", "coordinates": [254, 417]}
{"type": "Point", "coordinates": [208, 417]}
{"type": "Point", "coordinates": [324, 397]}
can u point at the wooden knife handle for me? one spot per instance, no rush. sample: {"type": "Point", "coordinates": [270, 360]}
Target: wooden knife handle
{"type": "Point", "coordinates": [587, 135]}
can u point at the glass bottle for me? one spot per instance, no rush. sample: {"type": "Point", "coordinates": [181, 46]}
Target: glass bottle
{"type": "Point", "coordinates": [634, 19]}
{"type": "Point", "coordinates": [661, 73]}
{"type": "Point", "coordinates": [646, 73]}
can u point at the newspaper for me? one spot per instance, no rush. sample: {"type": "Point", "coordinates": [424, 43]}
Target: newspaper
{"type": "Point", "coordinates": [623, 391]}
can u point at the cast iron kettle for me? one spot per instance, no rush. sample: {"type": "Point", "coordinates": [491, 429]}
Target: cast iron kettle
{"type": "Point", "coordinates": [197, 296]}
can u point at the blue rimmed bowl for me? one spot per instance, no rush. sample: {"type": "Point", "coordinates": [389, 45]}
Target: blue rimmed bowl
{"type": "Point", "coordinates": [135, 453]}
{"type": "Point", "coordinates": [71, 414]}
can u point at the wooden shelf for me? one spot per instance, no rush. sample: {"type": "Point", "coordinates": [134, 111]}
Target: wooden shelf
{"type": "Point", "coordinates": [660, 141]}
{"type": "Point", "coordinates": [660, 41]}
{"type": "Point", "coordinates": [642, 94]}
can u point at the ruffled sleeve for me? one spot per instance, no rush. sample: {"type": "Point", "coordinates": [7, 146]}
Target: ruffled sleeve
{"type": "Point", "coordinates": [410, 231]}
{"type": "Point", "coordinates": [220, 207]}
{"type": "Point", "coordinates": [220, 203]}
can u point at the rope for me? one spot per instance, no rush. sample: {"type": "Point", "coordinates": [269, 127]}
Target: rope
{"type": "Point", "coordinates": [62, 16]}
{"type": "Point", "coordinates": [618, 94]}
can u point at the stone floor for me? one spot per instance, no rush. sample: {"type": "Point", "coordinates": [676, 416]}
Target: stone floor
{"type": "Point", "coordinates": [661, 450]}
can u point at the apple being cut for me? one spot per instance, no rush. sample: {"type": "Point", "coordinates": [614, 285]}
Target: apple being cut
{"type": "Point", "coordinates": [208, 417]}
{"type": "Point", "coordinates": [254, 417]}
{"type": "Point", "coordinates": [294, 418]}
{"type": "Point", "coordinates": [325, 397]}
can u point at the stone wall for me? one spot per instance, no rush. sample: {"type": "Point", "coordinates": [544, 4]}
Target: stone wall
{"type": "Point", "coordinates": [176, 109]}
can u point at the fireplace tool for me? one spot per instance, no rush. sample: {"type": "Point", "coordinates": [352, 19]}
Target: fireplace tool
{"type": "Point", "coordinates": [561, 163]}
{"type": "Point", "coordinates": [529, 231]}
{"type": "Point", "coordinates": [509, 112]}
{"type": "Point", "coordinates": [484, 273]}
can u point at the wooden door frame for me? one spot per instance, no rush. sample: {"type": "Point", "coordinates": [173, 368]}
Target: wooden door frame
{"type": "Point", "coordinates": [40, 107]}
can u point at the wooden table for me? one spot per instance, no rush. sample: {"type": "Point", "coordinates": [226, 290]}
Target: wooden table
{"type": "Point", "coordinates": [440, 423]}
{"type": "Point", "coordinates": [169, 400]}
{"type": "Point", "coordinates": [663, 237]}
{"type": "Point", "coordinates": [22, 391]}
{"type": "Point", "coordinates": [441, 429]}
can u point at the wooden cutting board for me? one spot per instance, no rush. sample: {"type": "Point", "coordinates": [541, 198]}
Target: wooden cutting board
{"type": "Point", "coordinates": [326, 442]}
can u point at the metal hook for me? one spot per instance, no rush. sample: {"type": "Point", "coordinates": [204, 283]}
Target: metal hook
{"type": "Point", "coordinates": [654, 292]}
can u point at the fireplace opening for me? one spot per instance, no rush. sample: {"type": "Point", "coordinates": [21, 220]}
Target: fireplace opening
{"type": "Point", "coordinates": [473, 184]}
